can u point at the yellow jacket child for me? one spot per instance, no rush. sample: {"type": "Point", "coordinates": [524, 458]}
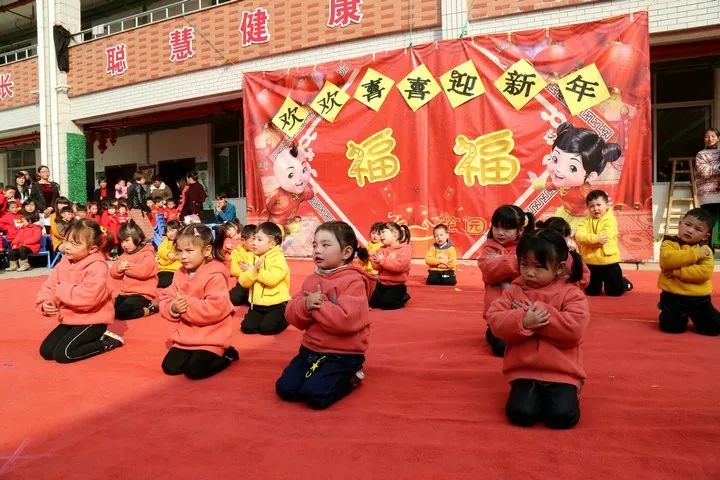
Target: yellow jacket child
{"type": "Point", "coordinates": [270, 284]}
{"type": "Point", "coordinates": [685, 269]}
{"type": "Point", "coordinates": [167, 257]}
{"type": "Point", "coordinates": [587, 237]}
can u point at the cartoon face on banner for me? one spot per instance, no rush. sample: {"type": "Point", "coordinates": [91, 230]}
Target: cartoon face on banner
{"type": "Point", "coordinates": [455, 160]}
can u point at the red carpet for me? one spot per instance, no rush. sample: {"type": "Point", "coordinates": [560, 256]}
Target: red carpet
{"type": "Point", "coordinates": [431, 405]}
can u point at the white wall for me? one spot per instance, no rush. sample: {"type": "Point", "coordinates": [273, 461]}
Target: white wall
{"type": "Point", "coordinates": [187, 142]}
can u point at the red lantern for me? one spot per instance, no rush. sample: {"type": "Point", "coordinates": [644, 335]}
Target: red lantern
{"type": "Point", "coordinates": [335, 78]}
{"type": "Point", "coordinates": [617, 64]}
{"type": "Point", "coordinates": [102, 141]}
{"type": "Point", "coordinates": [112, 136]}
{"type": "Point", "coordinates": [90, 135]}
{"type": "Point", "coordinates": [555, 60]}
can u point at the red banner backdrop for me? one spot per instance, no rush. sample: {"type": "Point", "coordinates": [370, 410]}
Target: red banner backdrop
{"type": "Point", "coordinates": [423, 167]}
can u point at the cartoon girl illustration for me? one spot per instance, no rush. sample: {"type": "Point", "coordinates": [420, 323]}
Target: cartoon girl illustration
{"type": "Point", "coordinates": [291, 174]}
{"type": "Point", "coordinates": [577, 159]}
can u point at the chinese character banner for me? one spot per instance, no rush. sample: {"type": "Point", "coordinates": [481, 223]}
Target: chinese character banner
{"type": "Point", "coordinates": [447, 132]}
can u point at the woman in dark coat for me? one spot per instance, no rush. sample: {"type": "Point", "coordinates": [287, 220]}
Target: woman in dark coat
{"type": "Point", "coordinates": [44, 192]}
{"type": "Point", "coordinates": [137, 204]}
{"type": "Point", "coordinates": [193, 197]}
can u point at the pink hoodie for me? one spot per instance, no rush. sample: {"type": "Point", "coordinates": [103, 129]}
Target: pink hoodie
{"type": "Point", "coordinates": [395, 267]}
{"type": "Point", "coordinates": [80, 291]}
{"type": "Point", "coordinates": [207, 323]}
{"type": "Point", "coordinates": [341, 324]}
{"type": "Point", "coordinates": [142, 276]}
{"type": "Point", "coordinates": [499, 267]}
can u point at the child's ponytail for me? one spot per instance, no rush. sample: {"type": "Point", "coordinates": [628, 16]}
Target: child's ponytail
{"type": "Point", "coordinates": [362, 253]}
{"type": "Point", "coordinates": [529, 222]}
{"type": "Point", "coordinates": [576, 272]}
{"type": "Point", "coordinates": [404, 234]}
{"type": "Point", "coordinates": [218, 252]}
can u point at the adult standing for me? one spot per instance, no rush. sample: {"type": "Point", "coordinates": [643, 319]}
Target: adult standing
{"type": "Point", "coordinates": [707, 173]}
{"type": "Point", "coordinates": [159, 191]}
{"type": "Point", "coordinates": [44, 192]}
{"type": "Point", "coordinates": [193, 196]}
{"type": "Point", "coordinates": [137, 204]}
{"type": "Point", "coordinates": [22, 189]}
{"type": "Point", "coordinates": [102, 193]}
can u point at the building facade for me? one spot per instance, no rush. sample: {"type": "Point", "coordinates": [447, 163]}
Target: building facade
{"type": "Point", "coordinates": [158, 86]}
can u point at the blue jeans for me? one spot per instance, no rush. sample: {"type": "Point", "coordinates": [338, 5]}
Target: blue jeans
{"type": "Point", "coordinates": [319, 379]}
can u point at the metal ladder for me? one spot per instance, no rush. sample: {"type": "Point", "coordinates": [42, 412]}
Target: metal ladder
{"type": "Point", "coordinates": [672, 218]}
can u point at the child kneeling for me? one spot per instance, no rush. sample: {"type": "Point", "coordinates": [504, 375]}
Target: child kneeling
{"type": "Point", "coordinates": [686, 268]}
{"type": "Point", "coordinates": [198, 301]}
{"type": "Point", "coordinates": [543, 316]}
{"type": "Point", "coordinates": [441, 258]}
{"type": "Point", "coordinates": [332, 309]}
{"type": "Point", "coordinates": [77, 293]}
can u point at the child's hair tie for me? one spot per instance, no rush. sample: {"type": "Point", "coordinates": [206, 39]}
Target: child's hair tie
{"type": "Point", "coordinates": [195, 232]}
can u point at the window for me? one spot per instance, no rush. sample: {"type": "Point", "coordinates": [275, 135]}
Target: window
{"type": "Point", "coordinates": [680, 114]}
{"type": "Point", "coordinates": [18, 160]}
{"type": "Point", "coordinates": [228, 155]}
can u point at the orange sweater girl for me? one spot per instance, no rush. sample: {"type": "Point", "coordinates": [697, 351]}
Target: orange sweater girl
{"type": "Point", "coordinates": [543, 317]}
{"type": "Point", "coordinates": [77, 294]}
{"type": "Point", "coordinates": [135, 273]}
{"type": "Point", "coordinates": [392, 263]}
{"type": "Point", "coordinates": [199, 303]}
{"type": "Point", "coordinates": [498, 262]}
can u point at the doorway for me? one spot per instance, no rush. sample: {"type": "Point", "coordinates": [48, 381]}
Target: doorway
{"type": "Point", "coordinates": [117, 172]}
{"type": "Point", "coordinates": [170, 171]}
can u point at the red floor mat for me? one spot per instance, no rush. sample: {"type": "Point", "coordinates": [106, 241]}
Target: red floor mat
{"type": "Point", "coordinates": [430, 407]}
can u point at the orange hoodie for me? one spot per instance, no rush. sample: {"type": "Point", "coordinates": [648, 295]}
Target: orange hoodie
{"type": "Point", "coordinates": [80, 291]}
{"type": "Point", "coordinates": [551, 353]}
{"type": "Point", "coordinates": [395, 266]}
{"type": "Point", "coordinates": [499, 267]}
{"type": "Point", "coordinates": [341, 324]}
{"type": "Point", "coordinates": [142, 276]}
{"type": "Point", "coordinates": [207, 323]}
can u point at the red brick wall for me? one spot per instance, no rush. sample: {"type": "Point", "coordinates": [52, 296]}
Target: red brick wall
{"type": "Point", "coordinates": [294, 25]}
{"type": "Point", "coordinates": [497, 8]}
{"type": "Point", "coordinates": [24, 75]}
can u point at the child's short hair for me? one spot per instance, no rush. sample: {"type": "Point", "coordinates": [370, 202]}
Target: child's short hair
{"type": "Point", "coordinates": [248, 231]}
{"type": "Point", "coordinates": [13, 203]}
{"type": "Point", "coordinates": [132, 230]}
{"type": "Point", "coordinates": [170, 200]}
{"type": "Point", "coordinates": [10, 187]}
{"type": "Point", "coordinates": [109, 205]}
{"type": "Point", "coordinates": [233, 223]}
{"type": "Point", "coordinates": [220, 196]}
{"type": "Point", "coordinates": [122, 205]}
{"type": "Point", "coordinates": [441, 226]}
{"type": "Point", "coordinates": [403, 231]}
{"type": "Point", "coordinates": [271, 229]}
{"type": "Point", "coordinates": [173, 225]}
{"type": "Point", "coordinates": [558, 224]}
{"type": "Point", "coordinates": [201, 236]}
{"type": "Point", "coordinates": [65, 210]}
{"type": "Point", "coordinates": [81, 208]}
{"type": "Point", "coordinates": [31, 217]}
{"type": "Point", "coordinates": [703, 215]}
{"type": "Point", "coordinates": [377, 227]}
{"type": "Point", "coordinates": [90, 231]}
{"type": "Point", "coordinates": [594, 195]}
{"type": "Point", "coordinates": [345, 236]}
{"type": "Point", "coordinates": [91, 204]}
{"type": "Point", "coordinates": [139, 175]}
{"type": "Point", "coordinates": [549, 247]}
{"type": "Point", "coordinates": [511, 217]}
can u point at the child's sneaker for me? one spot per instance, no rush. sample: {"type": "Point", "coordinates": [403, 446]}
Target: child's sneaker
{"type": "Point", "coordinates": [357, 378]}
{"type": "Point", "coordinates": [153, 308]}
{"type": "Point", "coordinates": [231, 354]}
{"type": "Point", "coordinates": [627, 284]}
{"type": "Point", "coordinates": [111, 340]}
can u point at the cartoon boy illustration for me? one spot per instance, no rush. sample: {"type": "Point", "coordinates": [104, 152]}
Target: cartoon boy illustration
{"type": "Point", "coordinates": [291, 172]}
{"type": "Point", "coordinates": [578, 157]}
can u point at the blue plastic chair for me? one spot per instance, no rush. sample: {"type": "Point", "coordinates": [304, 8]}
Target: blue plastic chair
{"type": "Point", "coordinates": [159, 229]}
{"type": "Point", "coordinates": [45, 249]}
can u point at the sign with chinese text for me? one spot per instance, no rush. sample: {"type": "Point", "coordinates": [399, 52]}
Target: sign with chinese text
{"type": "Point", "coordinates": [462, 83]}
{"type": "Point", "coordinates": [181, 44]}
{"type": "Point", "coordinates": [583, 89]}
{"type": "Point", "coordinates": [520, 83]}
{"type": "Point", "coordinates": [116, 59]}
{"type": "Point", "coordinates": [373, 89]}
{"type": "Point", "coordinates": [329, 101]}
{"type": "Point", "coordinates": [6, 86]}
{"type": "Point", "coordinates": [290, 117]}
{"type": "Point", "coordinates": [254, 27]}
{"type": "Point", "coordinates": [344, 12]}
{"type": "Point", "coordinates": [396, 150]}
{"type": "Point", "coordinates": [418, 88]}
